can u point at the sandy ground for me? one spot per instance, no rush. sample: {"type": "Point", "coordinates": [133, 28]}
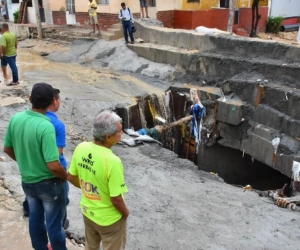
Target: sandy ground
{"type": "Point", "coordinates": [283, 37]}
{"type": "Point", "coordinates": [172, 204]}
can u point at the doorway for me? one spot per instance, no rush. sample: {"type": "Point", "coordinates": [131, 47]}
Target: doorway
{"type": "Point", "coordinates": [70, 12]}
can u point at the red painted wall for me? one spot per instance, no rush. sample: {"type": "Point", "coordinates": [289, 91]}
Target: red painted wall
{"type": "Point", "coordinates": [215, 18]}
{"type": "Point", "coordinates": [246, 19]}
{"type": "Point", "coordinates": [59, 17]}
{"type": "Point", "coordinates": [105, 20]}
{"type": "Point", "coordinates": [166, 17]}
{"type": "Point", "coordinates": [183, 19]}
{"type": "Point", "coordinates": [218, 18]}
{"type": "Point", "coordinates": [289, 21]}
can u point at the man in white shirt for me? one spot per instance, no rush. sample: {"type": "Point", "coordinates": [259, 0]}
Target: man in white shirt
{"type": "Point", "coordinates": [127, 19]}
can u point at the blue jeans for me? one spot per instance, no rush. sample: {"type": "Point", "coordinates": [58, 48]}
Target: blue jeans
{"type": "Point", "coordinates": [11, 61]}
{"type": "Point", "coordinates": [26, 207]}
{"type": "Point", "coordinates": [46, 201]}
{"type": "Point", "coordinates": [127, 28]}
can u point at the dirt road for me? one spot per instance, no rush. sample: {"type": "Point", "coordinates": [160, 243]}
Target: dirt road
{"type": "Point", "coordinates": [172, 204]}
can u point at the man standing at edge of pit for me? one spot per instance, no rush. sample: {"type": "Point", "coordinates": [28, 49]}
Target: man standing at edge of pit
{"type": "Point", "coordinates": [100, 175]}
{"type": "Point", "coordinates": [60, 133]}
{"type": "Point", "coordinates": [93, 15]}
{"type": "Point", "coordinates": [9, 52]}
{"type": "Point", "coordinates": [127, 19]}
{"type": "Point", "coordinates": [30, 141]}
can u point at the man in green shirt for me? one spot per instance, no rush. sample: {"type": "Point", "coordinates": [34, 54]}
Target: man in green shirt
{"type": "Point", "coordinates": [9, 52]}
{"type": "Point", "coordinates": [30, 141]}
{"type": "Point", "coordinates": [100, 175]}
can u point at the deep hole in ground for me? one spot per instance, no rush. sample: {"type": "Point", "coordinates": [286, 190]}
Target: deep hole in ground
{"type": "Point", "coordinates": [230, 164]}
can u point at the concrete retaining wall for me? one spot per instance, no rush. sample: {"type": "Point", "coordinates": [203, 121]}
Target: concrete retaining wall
{"type": "Point", "coordinates": [225, 44]}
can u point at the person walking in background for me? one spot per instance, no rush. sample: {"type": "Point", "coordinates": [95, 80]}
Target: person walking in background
{"type": "Point", "coordinates": [4, 11]}
{"type": "Point", "coordinates": [127, 20]}
{"type": "Point", "coordinates": [30, 141]}
{"type": "Point", "coordinates": [93, 15]}
{"type": "Point", "coordinates": [100, 175]}
{"type": "Point", "coordinates": [4, 68]}
{"type": "Point", "coordinates": [9, 52]}
{"type": "Point", "coordinates": [144, 5]}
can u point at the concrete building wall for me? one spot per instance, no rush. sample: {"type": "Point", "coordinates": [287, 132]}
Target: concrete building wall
{"type": "Point", "coordinates": [285, 8]}
{"type": "Point", "coordinates": [31, 18]}
{"type": "Point", "coordinates": [113, 7]}
{"type": "Point", "coordinates": [210, 4]}
{"type": "Point", "coordinates": [56, 5]}
{"type": "Point", "coordinates": [12, 8]}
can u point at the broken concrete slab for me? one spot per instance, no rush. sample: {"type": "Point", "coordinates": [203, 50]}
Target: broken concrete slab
{"type": "Point", "coordinates": [204, 93]}
{"type": "Point", "coordinates": [259, 144]}
{"type": "Point", "coordinates": [230, 111]}
{"type": "Point", "coordinates": [11, 100]}
{"type": "Point", "coordinates": [268, 116]}
{"type": "Point", "coordinates": [232, 135]}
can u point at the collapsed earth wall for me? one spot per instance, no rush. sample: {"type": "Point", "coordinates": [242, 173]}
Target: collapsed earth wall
{"type": "Point", "coordinates": [255, 96]}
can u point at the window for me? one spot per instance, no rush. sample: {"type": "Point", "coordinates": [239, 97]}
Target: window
{"type": "Point", "coordinates": [236, 16]}
{"type": "Point", "coordinates": [29, 3]}
{"type": "Point", "coordinates": [193, 1]}
{"type": "Point", "coordinates": [103, 1]}
{"type": "Point", "coordinates": [224, 3]}
{"type": "Point", "coordinates": [15, 1]}
{"type": "Point", "coordinates": [151, 3]}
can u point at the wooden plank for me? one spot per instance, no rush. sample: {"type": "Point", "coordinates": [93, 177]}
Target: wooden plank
{"type": "Point", "coordinates": [21, 13]}
{"type": "Point", "coordinates": [24, 17]}
{"type": "Point", "coordinates": [260, 95]}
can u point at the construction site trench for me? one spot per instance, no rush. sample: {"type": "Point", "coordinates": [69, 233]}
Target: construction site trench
{"type": "Point", "coordinates": [250, 134]}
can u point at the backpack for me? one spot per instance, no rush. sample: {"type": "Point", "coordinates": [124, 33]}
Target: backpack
{"type": "Point", "coordinates": [121, 13]}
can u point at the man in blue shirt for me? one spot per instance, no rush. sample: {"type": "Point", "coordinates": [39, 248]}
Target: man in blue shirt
{"type": "Point", "coordinates": [60, 131]}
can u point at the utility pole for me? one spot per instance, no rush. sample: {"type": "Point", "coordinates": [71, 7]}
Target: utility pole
{"type": "Point", "coordinates": [231, 14]}
{"type": "Point", "coordinates": [38, 19]}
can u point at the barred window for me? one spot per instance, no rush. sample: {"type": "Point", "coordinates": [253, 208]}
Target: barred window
{"type": "Point", "coordinates": [193, 1]}
{"type": "Point", "coordinates": [103, 1]}
{"type": "Point", "coordinates": [224, 3]}
{"type": "Point", "coordinates": [151, 3]}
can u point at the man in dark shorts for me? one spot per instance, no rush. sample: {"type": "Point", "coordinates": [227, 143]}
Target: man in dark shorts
{"type": "Point", "coordinates": [144, 4]}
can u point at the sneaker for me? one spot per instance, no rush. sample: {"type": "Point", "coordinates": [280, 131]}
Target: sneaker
{"type": "Point", "coordinates": [67, 224]}
{"type": "Point", "coordinates": [132, 42]}
{"type": "Point", "coordinates": [25, 213]}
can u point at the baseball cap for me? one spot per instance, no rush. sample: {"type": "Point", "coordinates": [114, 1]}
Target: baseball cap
{"type": "Point", "coordinates": [42, 95]}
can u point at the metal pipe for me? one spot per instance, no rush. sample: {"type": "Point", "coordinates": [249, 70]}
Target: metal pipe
{"type": "Point", "coordinates": [290, 27]}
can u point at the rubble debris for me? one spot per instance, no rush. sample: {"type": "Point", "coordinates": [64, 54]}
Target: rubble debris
{"type": "Point", "coordinates": [43, 53]}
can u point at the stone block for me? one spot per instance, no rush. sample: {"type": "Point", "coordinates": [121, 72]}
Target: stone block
{"type": "Point", "coordinates": [284, 164]}
{"type": "Point", "coordinates": [291, 126]}
{"type": "Point", "coordinates": [288, 145]}
{"type": "Point", "coordinates": [230, 111]}
{"type": "Point", "coordinates": [259, 148]}
{"type": "Point", "coordinates": [232, 135]}
{"type": "Point", "coordinates": [293, 104]}
{"type": "Point", "coordinates": [259, 144]}
{"type": "Point", "coordinates": [268, 116]}
{"type": "Point", "coordinates": [230, 142]}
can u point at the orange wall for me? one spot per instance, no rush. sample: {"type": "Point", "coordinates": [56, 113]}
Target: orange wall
{"type": "Point", "coordinates": [210, 4]}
